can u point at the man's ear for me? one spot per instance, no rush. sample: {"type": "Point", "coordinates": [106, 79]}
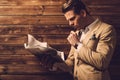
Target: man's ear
{"type": "Point", "coordinates": [83, 13]}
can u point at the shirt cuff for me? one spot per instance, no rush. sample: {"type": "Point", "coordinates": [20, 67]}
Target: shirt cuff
{"type": "Point", "coordinates": [79, 46]}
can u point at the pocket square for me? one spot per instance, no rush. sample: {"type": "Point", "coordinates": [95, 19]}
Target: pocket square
{"type": "Point", "coordinates": [93, 37]}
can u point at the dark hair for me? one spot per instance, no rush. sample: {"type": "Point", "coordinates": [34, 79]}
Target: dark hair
{"type": "Point", "coordinates": [76, 5]}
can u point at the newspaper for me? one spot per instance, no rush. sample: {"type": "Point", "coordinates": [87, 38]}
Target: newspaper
{"type": "Point", "coordinates": [39, 48]}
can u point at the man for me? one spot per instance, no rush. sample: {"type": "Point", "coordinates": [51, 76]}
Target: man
{"type": "Point", "coordinates": [92, 44]}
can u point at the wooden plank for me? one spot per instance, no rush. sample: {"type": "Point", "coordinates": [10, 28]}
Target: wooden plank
{"type": "Point", "coordinates": [104, 10]}
{"type": "Point", "coordinates": [15, 39]}
{"type": "Point", "coordinates": [21, 39]}
{"type": "Point", "coordinates": [55, 10]}
{"type": "Point", "coordinates": [53, 30]}
{"type": "Point", "coordinates": [14, 29]}
{"type": "Point", "coordinates": [22, 69]}
{"type": "Point", "coordinates": [34, 29]}
{"type": "Point", "coordinates": [52, 10]}
{"type": "Point", "coordinates": [16, 50]}
{"type": "Point", "coordinates": [102, 2]}
{"type": "Point", "coordinates": [20, 10]}
{"type": "Point", "coordinates": [44, 76]}
{"type": "Point", "coordinates": [52, 39]}
{"type": "Point", "coordinates": [19, 59]}
{"type": "Point", "coordinates": [54, 2]}
{"type": "Point", "coordinates": [38, 20]}
{"type": "Point", "coordinates": [111, 19]}
{"type": "Point", "coordinates": [15, 62]}
{"type": "Point", "coordinates": [47, 20]}
{"type": "Point", "coordinates": [39, 29]}
{"type": "Point", "coordinates": [30, 2]}
{"type": "Point", "coordinates": [30, 10]}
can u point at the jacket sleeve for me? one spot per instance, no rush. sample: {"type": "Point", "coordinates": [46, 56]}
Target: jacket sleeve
{"type": "Point", "coordinates": [100, 58]}
{"type": "Point", "coordinates": [70, 59]}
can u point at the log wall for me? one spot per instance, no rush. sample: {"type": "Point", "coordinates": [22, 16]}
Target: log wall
{"type": "Point", "coordinates": [44, 20]}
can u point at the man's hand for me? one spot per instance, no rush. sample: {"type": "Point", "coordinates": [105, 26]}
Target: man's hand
{"type": "Point", "coordinates": [73, 38]}
{"type": "Point", "coordinates": [47, 60]}
{"type": "Point", "coordinates": [62, 67]}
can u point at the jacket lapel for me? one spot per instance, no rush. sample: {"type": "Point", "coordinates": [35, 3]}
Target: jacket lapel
{"type": "Point", "coordinates": [90, 34]}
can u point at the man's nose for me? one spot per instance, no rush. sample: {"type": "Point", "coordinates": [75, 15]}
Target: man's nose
{"type": "Point", "coordinates": [71, 23]}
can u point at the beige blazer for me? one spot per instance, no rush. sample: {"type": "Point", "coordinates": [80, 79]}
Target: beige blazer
{"type": "Point", "coordinates": [92, 60]}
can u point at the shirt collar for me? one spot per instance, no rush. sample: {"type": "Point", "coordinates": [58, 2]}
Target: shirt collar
{"type": "Point", "coordinates": [90, 26]}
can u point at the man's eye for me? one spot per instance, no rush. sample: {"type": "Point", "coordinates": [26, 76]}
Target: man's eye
{"type": "Point", "coordinates": [72, 18]}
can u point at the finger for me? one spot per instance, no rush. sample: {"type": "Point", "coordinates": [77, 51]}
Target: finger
{"type": "Point", "coordinates": [70, 36]}
{"type": "Point", "coordinates": [72, 32]}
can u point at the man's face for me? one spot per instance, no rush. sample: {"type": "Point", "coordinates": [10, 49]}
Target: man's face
{"type": "Point", "coordinates": [75, 20]}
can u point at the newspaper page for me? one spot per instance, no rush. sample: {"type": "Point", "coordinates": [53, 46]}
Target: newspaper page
{"type": "Point", "coordinates": [38, 48]}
